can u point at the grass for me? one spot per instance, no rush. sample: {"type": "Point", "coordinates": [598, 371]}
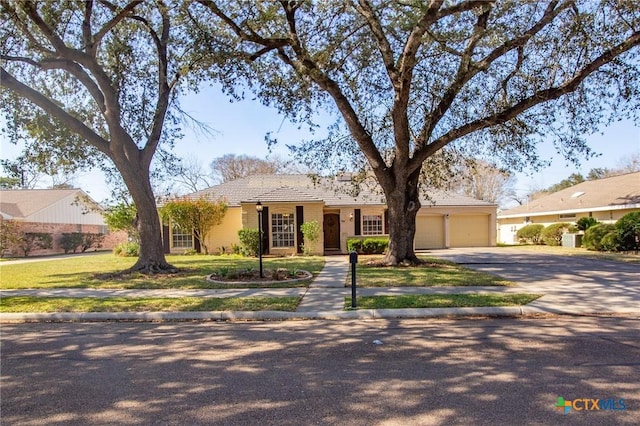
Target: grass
{"type": "Point", "coordinates": [434, 272]}
{"type": "Point", "coordinates": [101, 271]}
{"type": "Point", "coordinates": [442, 301]}
{"type": "Point", "coordinates": [147, 304]}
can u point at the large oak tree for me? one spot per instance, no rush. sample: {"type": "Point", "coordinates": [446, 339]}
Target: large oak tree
{"type": "Point", "coordinates": [410, 77]}
{"type": "Point", "coordinates": [95, 80]}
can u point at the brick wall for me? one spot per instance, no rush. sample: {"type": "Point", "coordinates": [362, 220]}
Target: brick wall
{"type": "Point", "coordinates": [57, 229]}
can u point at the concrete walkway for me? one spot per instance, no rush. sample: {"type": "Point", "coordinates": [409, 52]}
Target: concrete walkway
{"type": "Point", "coordinates": [570, 286]}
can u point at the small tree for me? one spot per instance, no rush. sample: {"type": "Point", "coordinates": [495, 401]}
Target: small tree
{"type": "Point", "coordinates": [311, 233]}
{"type": "Point", "coordinates": [35, 240]}
{"type": "Point", "coordinates": [91, 240]}
{"type": "Point", "coordinates": [198, 215]}
{"type": "Point", "coordinates": [10, 235]}
{"type": "Point", "coordinates": [70, 241]}
{"type": "Point", "coordinates": [122, 217]}
{"type": "Point", "coordinates": [530, 234]}
{"type": "Point", "coordinates": [585, 223]}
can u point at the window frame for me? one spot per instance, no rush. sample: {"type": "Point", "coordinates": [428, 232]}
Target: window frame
{"type": "Point", "coordinates": [283, 230]}
{"type": "Point", "coordinates": [371, 227]}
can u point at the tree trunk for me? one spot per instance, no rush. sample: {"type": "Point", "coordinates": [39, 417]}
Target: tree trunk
{"type": "Point", "coordinates": [403, 203]}
{"type": "Point", "coordinates": [151, 258]}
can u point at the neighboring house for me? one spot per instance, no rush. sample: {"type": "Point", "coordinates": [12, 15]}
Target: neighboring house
{"type": "Point", "coordinates": [606, 200]}
{"type": "Point", "coordinates": [288, 201]}
{"type": "Point", "coordinates": [56, 211]}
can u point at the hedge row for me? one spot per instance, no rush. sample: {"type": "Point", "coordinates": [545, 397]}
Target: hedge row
{"type": "Point", "coordinates": [368, 245]}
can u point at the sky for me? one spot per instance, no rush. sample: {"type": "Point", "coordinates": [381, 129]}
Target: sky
{"type": "Point", "coordinates": [240, 128]}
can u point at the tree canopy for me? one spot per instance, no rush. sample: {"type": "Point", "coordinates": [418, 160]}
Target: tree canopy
{"type": "Point", "coordinates": [92, 83]}
{"type": "Point", "coordinates": [409, 78]}
{"type": "Point", "coordinates": [198, 216]}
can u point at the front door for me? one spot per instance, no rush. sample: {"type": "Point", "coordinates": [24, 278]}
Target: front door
{"type": "Point", "coordinates": [331, 230]}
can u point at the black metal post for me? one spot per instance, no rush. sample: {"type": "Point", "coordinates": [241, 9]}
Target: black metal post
{"type": "Point", "coordinates": [353, 259]}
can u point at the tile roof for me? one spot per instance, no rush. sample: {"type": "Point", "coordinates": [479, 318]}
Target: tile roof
{"type": "Point", "coordinates": [303, 188]}
{"type": "Point", "coordinates": [616, 192]}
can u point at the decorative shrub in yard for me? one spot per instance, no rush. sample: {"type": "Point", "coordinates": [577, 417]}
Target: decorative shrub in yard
{"type": "Point", "coordinates": [628, 231]}
{"type": "Point", "coordinates": [72, 241]}
{"type": "Point", "coordinates": [311, 232]}
{"type": "Point", "coordinates": [593, 236]}
{"type": "Point", "coordinates": [585, 223]}
{"type": "Point", "coordinates": [552, 234]}
{"type": "Point", "coordinates": [368, 245]}
{"type": "Point", "coordinates": [530, 234]}
{"type": "Point", "coordinates": [130, 249]}
{"type": "Point", "coordinates": [35, 240]}
{"type": "Point", "coordinates": [249, 242]}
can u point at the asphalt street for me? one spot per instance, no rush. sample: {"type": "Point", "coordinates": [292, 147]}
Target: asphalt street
{"type": "Point", "coordinates": [421, 372]}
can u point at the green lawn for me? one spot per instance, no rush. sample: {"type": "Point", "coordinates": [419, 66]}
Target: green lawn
{"type": "Point", "coordinates": [146, 304]}
{"type": "Point", "coordinates": [434, 272]}
{"type": "Point", "coordinates": [100, 271]}
{"type": "Point", "coordinates": [442, 301]}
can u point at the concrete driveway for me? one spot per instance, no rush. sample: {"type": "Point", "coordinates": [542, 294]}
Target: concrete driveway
{"type": "Point", "coordinates": [570, 284]}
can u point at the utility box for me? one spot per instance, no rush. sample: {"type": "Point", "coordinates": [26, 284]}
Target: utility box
{"type": "Point", "coordinates": [572, 240]}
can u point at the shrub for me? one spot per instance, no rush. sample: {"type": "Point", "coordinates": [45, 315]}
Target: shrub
{"type": "Point", "coordinates": [35, 240]}
{"type": "Point", "coordinates": [585, 223]}
{"type": "Point", "coordinates": [530, 233]}
{"type": "Point", "coordinates": [91, 240]}
{"type": "Point", "coordinates": [311, 232]}
{"type": "Point", "coordinates": [130, 249]}
{"type": "Point", "coordinates": [552, 234]}
{"type": "Point", "coordinates": [593, 236]}
{"type": "Point", "coordinates": [368, 245]}
{"type": "Point", "coordinates": [610, 242]}
{"type": "Point", "coordinates": [628, 230]}
{"type": "Point", "coordinates": [70, 241]}
{"type": "Point", "coordinates": [249, 242]}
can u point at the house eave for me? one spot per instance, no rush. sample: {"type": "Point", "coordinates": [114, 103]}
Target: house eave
{"type": "Point", "coordinates": [570, 211]}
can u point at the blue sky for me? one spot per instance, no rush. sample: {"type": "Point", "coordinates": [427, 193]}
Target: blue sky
{"type": "Point", "coordinates": [240, 128]}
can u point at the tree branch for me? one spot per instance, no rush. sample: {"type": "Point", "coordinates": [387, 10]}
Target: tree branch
{"type": "Point", "coordinates": [11, 83]}
{"type": "Point", "coordinates": [126, 11]}
{"type": "Point", "coordinates": [539, 97]}
{"type": "Point", "coordinates": [366, 10]}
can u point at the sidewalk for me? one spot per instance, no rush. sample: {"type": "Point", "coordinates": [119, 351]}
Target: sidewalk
{"type": "Point", "coordinates": [325, 297]}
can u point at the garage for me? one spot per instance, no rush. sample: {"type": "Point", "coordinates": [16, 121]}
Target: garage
{"type": "Point", "coordinates": [469, 230]}
{"type": "Point", "coordinates": [429, 232]}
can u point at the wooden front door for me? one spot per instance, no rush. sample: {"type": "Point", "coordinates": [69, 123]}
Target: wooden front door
{"type": "Point", "coordinates": [331, 230]}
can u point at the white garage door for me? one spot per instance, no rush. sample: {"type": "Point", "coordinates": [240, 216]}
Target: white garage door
{"type": "Point", "coordinates": [469, 230]}
{"type": "Point", "coordinates": [429, 232]}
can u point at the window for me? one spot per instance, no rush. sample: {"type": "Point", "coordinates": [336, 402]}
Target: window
{"type": "Point", "coordinates": [567, 216]}
{"type": "Point", "coordinates": [283, 230]}
{"type": "Point", "coordinates": [181, 239]}
{"type": "Point", "coordinates": [372, 225]}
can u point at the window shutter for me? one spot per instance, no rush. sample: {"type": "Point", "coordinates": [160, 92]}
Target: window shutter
{"type": "Point", "coordinates": [356, 218]}
{"type": "Point", "coordinates": [385, 230]}
{"type": "Point", "coordinates": [299, 222]}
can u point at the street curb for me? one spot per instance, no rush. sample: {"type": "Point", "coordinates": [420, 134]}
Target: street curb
{"type": "Point", "coordinates": [365, 314]}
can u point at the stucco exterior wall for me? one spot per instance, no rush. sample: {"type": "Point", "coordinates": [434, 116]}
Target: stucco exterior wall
{"type": "Point", "coordinates": [311, 211]}
{"type": "Point", "coordinates": [223, 236]}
